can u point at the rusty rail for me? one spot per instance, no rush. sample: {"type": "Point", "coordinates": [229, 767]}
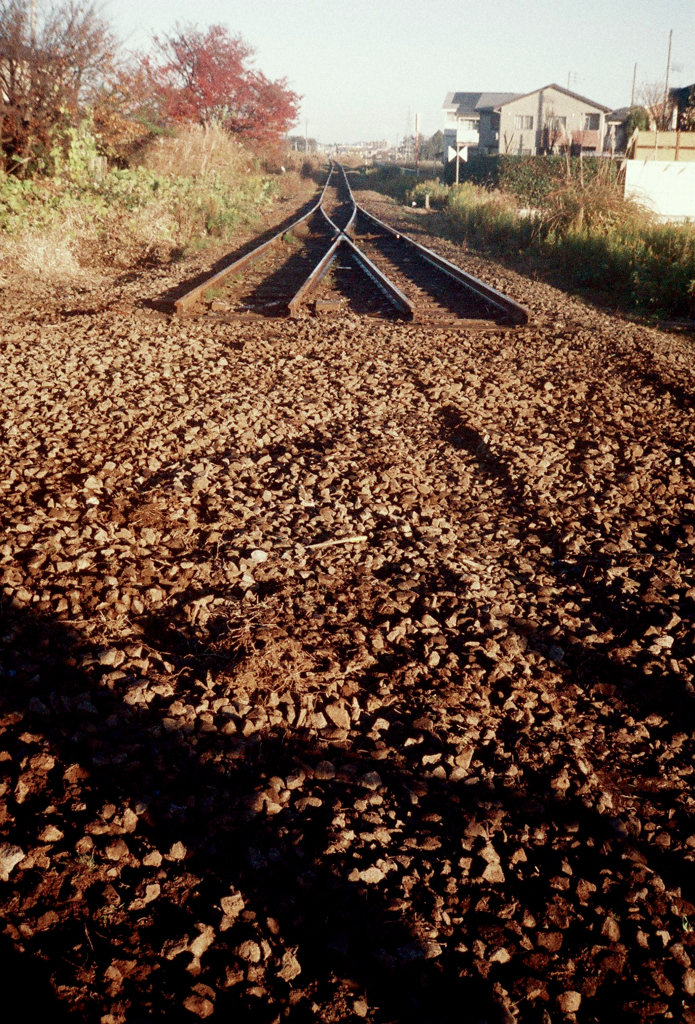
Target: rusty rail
{"type": "Point", "coordinates": [514, 311]}
{"type": "Point", "coordinates": [518, 313]}
{"type": "Point", "coordinates": [314, 278]}
{"type": "Point", "coordinates": [189, 300]}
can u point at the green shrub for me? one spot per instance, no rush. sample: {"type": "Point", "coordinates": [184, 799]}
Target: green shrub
{"type": "Point", "coordinates": [530, 178]}
{"type": "Point", "coordinates": [487, 218]}
{"type": "Point", "coordinates": [435, 189]}
{"type": "Point", "coordinates": [637, 118]}
{"type": "Point", "coordinates": [391, 179]}
{"type": "Point", "coordinates": [149, 204]}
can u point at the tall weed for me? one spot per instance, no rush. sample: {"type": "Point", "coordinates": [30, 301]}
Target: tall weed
{"type": "Point", "coordinates": [197, 151]}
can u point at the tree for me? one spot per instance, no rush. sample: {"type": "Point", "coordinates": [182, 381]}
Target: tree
{"type": "Point", "coordinates": [433, 147]}
{"type": "Point", "coordinates": [207, 76]}
{"type": "Point", "coordinates": [658, 105]}
{"type": "Point", "coordinates": [300, 144]}
{"type": "Point", "coordinates": [637, 120]}
{"type": "Point", "coordinates": [51, 56]}
{"type": "Point", "coordinates": [554, 133]}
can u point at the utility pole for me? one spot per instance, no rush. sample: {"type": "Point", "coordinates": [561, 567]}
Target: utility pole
{"type": "Point", "coordinates": [32, 21]}
{"type": "Point", "coordinates": [417, 145]}
{"type": "Point", "coordinates": [668, 71]}
{"type": "Point", "coordinates": [634, 83]}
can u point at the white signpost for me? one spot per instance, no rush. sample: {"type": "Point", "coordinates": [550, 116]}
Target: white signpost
{"type": "Point", "coordinates": [456, 154]}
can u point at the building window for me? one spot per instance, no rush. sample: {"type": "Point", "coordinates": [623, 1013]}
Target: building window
{"type": "Point", "coordinates": [556, 124]}
{"type": "Point", "coordinates": [467, 124]}
{"type": "Point", "coordinates": [523, 122]}
{"type": "Point", "coordinates": [590, 122]}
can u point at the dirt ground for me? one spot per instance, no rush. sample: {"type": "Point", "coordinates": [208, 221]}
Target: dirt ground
{"type": "Point", "coordinates": [442, 772]}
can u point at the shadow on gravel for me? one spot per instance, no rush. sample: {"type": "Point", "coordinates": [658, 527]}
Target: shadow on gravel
{"type": "Point", "coordinates": [70, 914]}
{"type": "Point", "coordinates": [165, 301]}
{"type": "Point", "coordinates": [80, 750]}
{"type": "Point", "coordinates": [632, 676]}
{"type": "Point", "coordinates": [26, 981]}
{"type": "Point", "coordinates": [635, 375]}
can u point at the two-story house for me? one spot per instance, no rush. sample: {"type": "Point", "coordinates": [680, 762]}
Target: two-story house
{"type": "Point", "coordinates": [547, 120]}
{"type": "Point", "coordinates": [463, 112]}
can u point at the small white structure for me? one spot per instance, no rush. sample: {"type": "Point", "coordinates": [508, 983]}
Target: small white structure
{"type": "Point", "coordinates": [666, 187]}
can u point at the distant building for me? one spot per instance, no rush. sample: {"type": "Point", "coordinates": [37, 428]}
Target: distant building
{"type": "Point", "coordinates": [547, 120]}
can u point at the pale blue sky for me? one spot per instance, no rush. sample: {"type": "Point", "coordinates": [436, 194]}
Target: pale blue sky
{"type": "Point", "coordinates": [361, 65]}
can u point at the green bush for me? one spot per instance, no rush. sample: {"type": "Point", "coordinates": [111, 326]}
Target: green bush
{"type": "Point", "coordinates": [607, 246]}
{"type": "Point", "coordinates": [530, 178]}
{"type": "Point", "coordinates": [637, 118]}
{"type": "Point", "coordinates": [487, 218]}
{"type": "Point", "coordinates": [435, 189]}
{"type": "Point", "coordinates": [390, 179]}
{"type": "Point", "coordinates": [147, 204]}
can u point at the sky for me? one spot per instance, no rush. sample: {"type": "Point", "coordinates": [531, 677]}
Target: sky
{"type": "Point", "coordinates": [363, 66]}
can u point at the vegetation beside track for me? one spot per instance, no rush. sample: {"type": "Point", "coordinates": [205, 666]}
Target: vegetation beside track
{"type": "Point", "coordinates": [181, 191]}
{"type": "Point", "coordinates": [584, 236]}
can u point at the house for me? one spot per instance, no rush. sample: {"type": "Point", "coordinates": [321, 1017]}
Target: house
{"type": "Point", "coordinates": [463, 113]}
{"type": "Point", "coordinates": [682, 102]}
{"type": "Point", "coordinates": [547, 120]}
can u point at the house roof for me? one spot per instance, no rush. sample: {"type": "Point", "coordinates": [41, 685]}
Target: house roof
{"type": "Point", "coordinates": [473, 102]}
{"type": "Point", "coordinates": [682, 95]}
{"type": "Point", "coordinates": [558, 88]}
{"type": "Point", "coordinates": [618, 116]}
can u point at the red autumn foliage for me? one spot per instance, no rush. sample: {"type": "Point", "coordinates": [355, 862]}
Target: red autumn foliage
{"type": "Point", "coordinates": [52, 59]}
{"type": "Point", "coordinates": [208, 76]}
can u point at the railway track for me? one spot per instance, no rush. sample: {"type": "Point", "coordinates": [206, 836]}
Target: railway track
{"type": "Point", "coordinates": [339, 256]}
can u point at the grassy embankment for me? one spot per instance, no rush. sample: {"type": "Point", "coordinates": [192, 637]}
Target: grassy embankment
{"type": "Point", "coordinates": [581, 235]}
{"type": "Point", "coordinates": [180, 192]}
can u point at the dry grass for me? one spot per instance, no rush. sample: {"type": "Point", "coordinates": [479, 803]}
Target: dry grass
{"type": "Point", "coordinates": [198, 152]}
{"type": "Point", "coordinates": [198, 185]}
{"type": "Point", "coordinates": [306, 165]}
{"type": "Point", "coordinates": [48, 256]}
{"type": "Point", "coordinates": [282, 665]}
{"type": "Point", "coordinates": [264, 661]}
{"type": "Point", "coordinates": [591, 204]}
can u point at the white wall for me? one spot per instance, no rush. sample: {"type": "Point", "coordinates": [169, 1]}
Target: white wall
{"type": "Point", "coordinates": [665, 187]}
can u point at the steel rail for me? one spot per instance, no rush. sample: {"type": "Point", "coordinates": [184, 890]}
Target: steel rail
{"type": "Point", "coordinates": [348, 227]}
{"type": "Point", "coordinates": [185, 302]}
{"type": "Point", "coordinates": [518, 313]}
{"type": "Point", "coordinates": [348, 230]}
{"type": "Point", "coordinates": [383, 283]}
{"type": "Point", "coordinates": [394, 295]}
{"type": "Point", "coordinates": [314, 277]}
{"type": "Point", "coordinates": [512, 309]}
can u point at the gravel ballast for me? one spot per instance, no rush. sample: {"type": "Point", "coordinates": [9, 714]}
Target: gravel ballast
{"type": "Point", "coordinates": [347, 667]}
